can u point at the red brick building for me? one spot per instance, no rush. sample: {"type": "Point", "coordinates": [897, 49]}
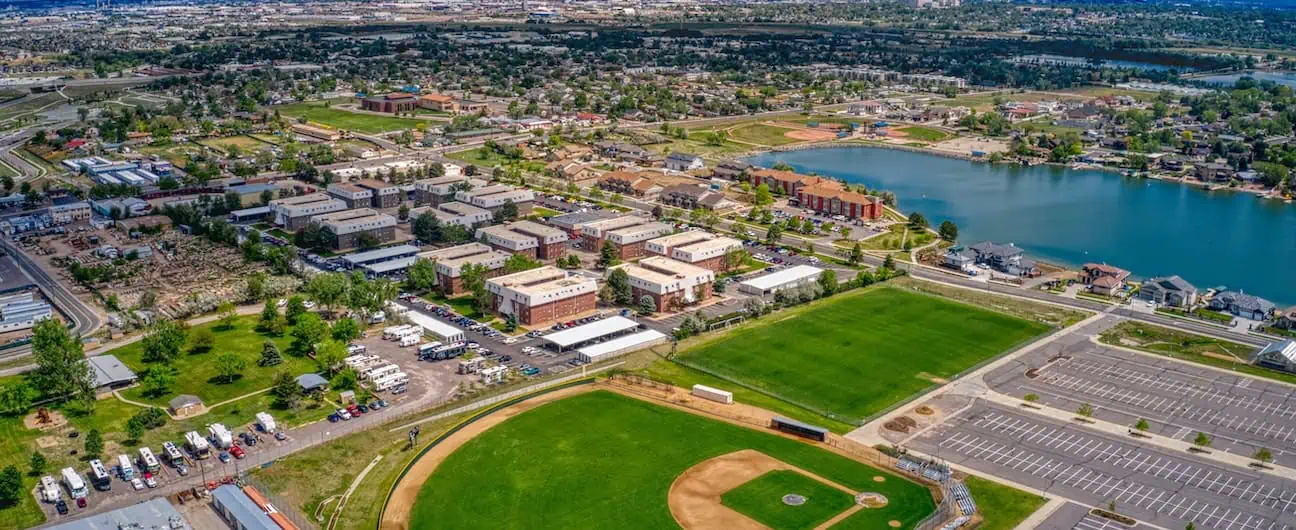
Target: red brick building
{"type": "Point", "coordinates": [544, 295]}
{"type": "Point", "coordinates": [787, 181]}
{"type": "Point", "coordinates": [390, 103]}
{"type": "Point", "coordinates": [830, 199]}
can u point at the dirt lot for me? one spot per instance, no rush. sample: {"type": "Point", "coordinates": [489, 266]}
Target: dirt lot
{"type": "Point", "coordinates": [438, 378]}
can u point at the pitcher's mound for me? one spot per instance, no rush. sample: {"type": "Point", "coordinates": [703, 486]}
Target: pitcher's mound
{"type": "Point", "coordinates": [893, 523]}
{"type": "Point", "coordinates": [871, 499]}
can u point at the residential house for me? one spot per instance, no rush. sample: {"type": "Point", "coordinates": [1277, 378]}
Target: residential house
{"type": "Point", "coordinates": [732, 170]}
{"type": "Point", "coordinates": [679, 161]}
{"type": "Point", "coordinates": [1243, 305]}
{"type": "Point", "coordinates": [1286, 320]}
{"type": "Point", "coordinates": [1169, 290]}
{"type": "Point", "coordinates": [1008, 259]}
{"type": "Point", "coordinates": [1213, 172]}
{"type": "Point", "coordinates": [1103, 279]}
{"type": "Point", "coordinates": [630, 184]}
{"type": "Point", "coordinates": [689, 197]}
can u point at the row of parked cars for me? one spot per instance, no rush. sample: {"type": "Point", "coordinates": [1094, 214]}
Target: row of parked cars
{"type": "Point", "coordinates": [356, 410]}
{"type": "Point", "coordinates": [463, 321]}
{"type": "Point", "coordinates": [570, 324]}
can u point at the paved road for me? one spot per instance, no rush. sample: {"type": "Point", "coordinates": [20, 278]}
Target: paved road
{"type": "Point", "coordinates": [85, 320]}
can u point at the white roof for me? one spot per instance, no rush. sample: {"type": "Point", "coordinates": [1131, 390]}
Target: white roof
{"type": "Point", "coordinates": [591, 331]}
{"type": "Point", "coordinates": [384, 267]}
{"type": "Point", "coordinates": [594, 352]}
{"type": "Point", "coordinates": [783, 277]}
{"type": "Point", "coordinates": [434, 326]}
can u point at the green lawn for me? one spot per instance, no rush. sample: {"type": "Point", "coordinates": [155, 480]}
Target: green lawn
{"type": "Point", "coordinates": [857, 354]}
{"type": "Point", "coordinates": [601, 460]}
{"type": "Point", "coordinates": [759, 133]}
{"type": "Point", "coordinates": [247, 144]}
{"type": "Point", "coordinates": [347, 120]}
{"type": "Point", "coordinates": [762, 500]}
{"type": "Point", "coordinates": [1002, 506]}
{"type": "Point", "coordinates": [895, 238]}
{"type": "Point", "coordinates": [197, 372]}
{"type": "Point", "coordinates": [1191, 347]}
{"type": "Point", "coordinates": [924, 134]}
{"type": "Point", "coordinates": [480, 156]}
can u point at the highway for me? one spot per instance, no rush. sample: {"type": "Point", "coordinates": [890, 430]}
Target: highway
{"type": "Point", "coordinates": [85, 320]}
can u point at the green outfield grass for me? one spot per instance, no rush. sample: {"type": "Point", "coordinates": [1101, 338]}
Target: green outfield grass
{"type": "Point", "coordinates": [601, 460]}
{"type": "Point", "coordinates": [759, 133]}
{"type": "Point", "coordinates": [347, 120]}
{"type": "Point", "coordinates": [1002, 506]}
{"type": "Point", "coordinates": [857, 354]}
{"type": "Point", "coordinates": [924, 134]}
{"type": "Point", "coordinates": [247, 144]}
{"type": "Point", "coordinates": [762, 500]}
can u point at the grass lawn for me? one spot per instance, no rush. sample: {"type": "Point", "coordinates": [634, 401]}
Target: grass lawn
{"type": "Point", "coordinates": [699, 142]}
{"type": "Point", "coordinates": [1199, 349]}
{"type": "Point", "coordinates": [480, 156]}
{"type": "Point", "coordinates": [856, 354]}
{"type": "Point", "coordinates": [247, 144]}
{"type": "Point", "coordinates": [537, 465]}
{"type": "Point", "coordinates": [895, 238]}
{"type": "Point", "coordinates": [1048, 314]}
{"type": "Point", "coordinates": [762, 500]}
{"type": "Point", "coordinates": [924, 134]}
{"type": "Point", "coordinates": [1002, 506]}
{"type": "Point", "coordinates": [543, 212]}
{"type": "Point", "coordinates": [347, 120]}
{"type": "Point", "coordinates": [197, 372]}
{"type": "Point", "coordinates": [759, 133]}
{"type": "Point", "coordinates": [269, 138]}
{"type": "Point", "coordinates": [464, 305]}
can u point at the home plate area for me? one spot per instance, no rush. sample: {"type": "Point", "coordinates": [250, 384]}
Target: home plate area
{"type": "Point", "coordinates": [750, 490]}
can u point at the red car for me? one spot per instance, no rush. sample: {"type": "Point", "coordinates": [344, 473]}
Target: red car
{"type": "Point", "coordinates": [354, 410]}
{"type": "Point", "coordinates": [237, 451]}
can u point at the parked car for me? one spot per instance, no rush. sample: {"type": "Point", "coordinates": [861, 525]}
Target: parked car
{"type": "Point", "coordinates": [279, 435]}
{"type": "Point", "coordinates": [82, 502]}
{"type": "Point", "coordinates": [224, 457]}
{"type": "Point", "coordinates": [148, 479]}
{"type": "Point", "coordinates": [344, 414]}
{"type": "Point", "coordinates": [237, 451]}
{"type": "Point", "coordinates": [61, 506]}
{"type": "Point", "coordinates": [334, 418]}
{"type": "Point", "coordinates": [399, 390]}
{"type": "Point", "coordinates": [182, 469]}
{"type": "Point", "coordinates": [381, 403]}
{"type": "Point", "coordinates": [137, 484]}
{"type": "Point", "coordinates": [363, 409]}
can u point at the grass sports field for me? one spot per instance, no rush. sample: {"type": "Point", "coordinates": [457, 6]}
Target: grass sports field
{"type": "Point", "coordinates": [759, 133]}
{"type": "Point", "coordinates": [857, 354]}
{"type": "Point", "coordinates": [540, 465]}
{"type": "Point", "coordinates": [351, 121]}
{"type": "Point", "coordinates": [759, 499]}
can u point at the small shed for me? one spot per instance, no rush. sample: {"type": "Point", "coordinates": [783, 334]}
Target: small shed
{"type": "Point", "coordinates": [312, 383]}
{"type": "Point", "coordinates": [347, 397]}
{"type": "Point", "coordinates": [186, 405]}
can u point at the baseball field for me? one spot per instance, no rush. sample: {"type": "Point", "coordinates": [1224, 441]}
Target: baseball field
{"type": "Point", "coordinates": [857, 354]}
{"type": "Point", "coordinates": [598, 459]}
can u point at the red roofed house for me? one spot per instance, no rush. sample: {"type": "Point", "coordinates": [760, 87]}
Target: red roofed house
{"type": "Point", "coordinates": [1103, 278]}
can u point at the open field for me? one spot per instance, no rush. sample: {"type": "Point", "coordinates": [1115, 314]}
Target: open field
{"type": "Point", "coordinates": [197, 372]}
{"type": "Point", "coordinates": [1002, 506]}
{"type": "Point", "coordinates": [1189, 347]}
{"type": "Point", "coordinates": [247, 144]}
{"type": "Point", "coordinates": [479, 156]}
{"type": "Point", "coordinates": [924, 134]}
{"type": "Point", "coordinates": [534, 465]}
{"type": "Point", "coordinates": [856, 354]}
{"type": "Point", "coordinates": [1048, 314]}
{"type": "Point", "coordinates": [760, 133]}
{"type": "Point", "coordinates": [760, 499]}
{"type": "Point", "coordinates": [346, 120]}
{"type": "Point", "coordinates": [896, 237]}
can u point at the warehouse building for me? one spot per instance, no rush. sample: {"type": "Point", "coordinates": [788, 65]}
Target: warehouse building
{"type": "Point", "coordinates": [382, 194]}
{"type": "Point", "coordinates": [354, 196]}
{"type": "Point", "coordinates": [671, 284]}
{"type": "Point", "coordinates": [294, 213]}
{"type": "Point", "coordinates": [153, 513]}
{"type": "Point", "coordinates": [789, 278]}
{"type": "Point", "coordinates": [436, 328]}
{"type": "Point", "coordinates": [455, 213]}
{"type": "Point", "coordinates": [62, 214]}
{"type": "Point", "coordinates": [348, 227]}
{"type": "Point", "coordinates": [526, 237]}
{"type": "Point", "coordinates": [543, 295]}
{"type": "Point", "coordinates": [494, 197]}
{"type": "Point", "coordinates": [437, 190]}
{"type": "Point", "coordinates": [711, 253]}
{"type": "Point", "coordinates": [451, 261]}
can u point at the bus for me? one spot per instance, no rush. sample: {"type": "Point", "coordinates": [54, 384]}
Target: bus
{"type": "Point", "coordinates": [173, 454]}
{"type": "Point", "coordinates": [99, 476]}
{"type": "Point", "coordinates": [147, 461]}
{"type": "Point", "coordinates": [75, 485]}
{"type": "Point", "coordinates": [124, 464]}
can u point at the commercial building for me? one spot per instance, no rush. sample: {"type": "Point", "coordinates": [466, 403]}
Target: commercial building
{"type": "Point", "coordinates": [239, 510]}
{"type": "Point", "coordinates": [543, 295]}
{"type": "Point", "coordinates": [620, 345]}
{"type": "Point", "coordinates": [391, 103]}
{"type": "Point", "coordinates": [110, 374]}
{"type": "Point", "coordinates": [437, 190]}
{"type": "Point", "coordinates": [354, 196]}
{"type": "Point", "coordinates": [436, 328]}
{"type": "Point", "coordinates": [455, 213]}
{"type": "Point", "coordinates": [348, 227]}
{"type": "Point", "coordinates": [153, 513]}
{"type": "Point", "coordinates": [698, 248]}
{"type": "Point", "coordinates": [383, 194]}
{"type": "Point", "coordinates": [70, 213]}
{"type": "Point", "coordinates": [451, 261]}
{"type": "Point", "coordinates": [828, 198]}
{"type": "Point", "coordinates": [495, 197]}
{"type": "Point", "coordinates": [315, 134]}
{"type": "Point", "coordinates": [789, 278]}
{"type": "Point", "coordinates": [671, 284]}
{"type": "Point", "coordinates": [526, 237]}
{"type": "Point", "coordinates": [293, 213]}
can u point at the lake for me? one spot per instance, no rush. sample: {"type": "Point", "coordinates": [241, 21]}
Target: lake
{"type": "Point", "coordinates": [1282, 78]}
{"type": "Point", "coordinates": [1105, 63]}
{"type": "Point", "coordinates": [1067, 216]}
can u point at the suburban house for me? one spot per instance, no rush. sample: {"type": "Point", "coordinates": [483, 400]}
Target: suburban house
{"type": "Point", "coordinates": [1243, 305]}
{"type": "Point", "coordinates": [1008, 259]}
{"type": "Point", "coordinates": [1277, 355]}
{"type": "Point", "coordinates": [1286, 320]}
{"type": "Point", "coordinates": [630, 184]}
{"type": "Point", "coordinates": [731, 170]}
{"type": "Point", "coordinates": [1169, 290]}
{"type": "Point", "coordinates": [960, 258]}
{"type": "Point", "coordinates": [1213, 172]}
{"type": "Point", "coordinates": [1103, 279]}
{"type": "Point", "coordinates": [683, 161]}
{"type": "Point", "coordinates": [689, 197]}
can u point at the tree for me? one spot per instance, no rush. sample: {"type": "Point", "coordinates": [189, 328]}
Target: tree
{"type": "Point", "coordinates": [1086, 410]}
{"type": "Point", "coordinates": [270, 355]}
{"type": "Point", "coordinates": [295, 308]}
{"type": "Point", "coordinates": [1190, 525]}
{"type": "Point", "coordinates": [519, 263]}
{"type": "Point", "coordinates": [38, 463]}
{"type": "Point", "coordinates": [163, 342]}
{"type": "Point", "coordinates": [134, 430]}
{"type": "Point", "coordinates": [329, 289]}
{"type": "Point", "coordinates": [11, 487]}
{"type": "Point", "coordinates": [269, 313]}
{"type": "Point", "coordinates": [157, 380]}
{"type": "Point", "coordinates": [762, 196]}
{"type": "Point", "coordinates": [774, 234]}
{"type": "Point", "coordinates": [15, 398]}
{"type": "Point", "coordinates": [1263, 456]}
{"type": "Point", "coordinates": [619, 280]}
{"type": "Point", "coordinates": [329, 355]}
{"type": "Point", "coordinates": [1142, 425]}
{"type": "Point", "coordinates": [917, 220]}
{"type": "Point", "coordinates": [856, 255]}
{"type": "Point", "coordinates": [483, 299]}
{"type": "Point", "coordinates": [948, 230]}
{"type": "Point", "coordinates": [309, 332]}
{"type": "Point", "coordinates": [1031, 398]}
{"type": "Point", "coordinates": [511, 322]}
{"type": "Point", "coordinates": [1202, 440]}
{"type": "Point", "coordinates": [828, 282]}
{"type": "Point", "coordinates": [229, 366]}
{"type": "Point", "coordinates": [94, 443]}
{"type": "Point", "coordinates": [286, 391]}
{"type": "Point", "coordinates": [345, 330]}
{"type": "Point", "coordinates": [202, 340]}
{"type": "Point", "coordinates": [61, 368]}
{"type": "Point", "coordinates": [608, 255]}
{"type": "Point", "coordinates": [647, 305]}
{"type": "Point", "coordinates": [256, 284]}
{"type": "Point", "coordinates": [421, 276]}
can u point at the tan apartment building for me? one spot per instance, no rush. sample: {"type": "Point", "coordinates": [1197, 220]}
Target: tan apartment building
{"type": "Point", "coordinates": [451, 261]}
{"type": "Point", "coordinates": [294, 213]}
{"type": "Point", "coordinates": [544, 295]}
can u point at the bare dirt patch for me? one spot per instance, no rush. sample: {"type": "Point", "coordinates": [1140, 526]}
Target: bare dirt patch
{"type": "Point", "coordinates": [925, 410]}
{"type": "Point", "coordinates": [812, 135]}
{"type": "Point", "coordinates": [893, 523]}
{"type": "Point", "coordinates": [1223, 356]}
{"type": "Point", "coordinates": [879, 478]}
{"type": "Point", "coordinates": [52, 419]}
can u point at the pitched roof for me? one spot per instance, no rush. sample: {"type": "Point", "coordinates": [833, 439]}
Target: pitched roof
{"type": "Point", "coordinates": [1172, 283]}
{"type": "Point", "coordinates": [1286, 349]}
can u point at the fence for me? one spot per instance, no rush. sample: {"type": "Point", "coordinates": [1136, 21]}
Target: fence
{"type": "Point", "coordinates": [284, 506]}
{"type": "Point", "coordinates": [851, 421]}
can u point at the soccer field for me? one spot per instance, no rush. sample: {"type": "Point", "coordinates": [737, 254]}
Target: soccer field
{"type": "Point", "coordinates": [602, 460]}
{"type": "Point", "coordinates": [856, 354]}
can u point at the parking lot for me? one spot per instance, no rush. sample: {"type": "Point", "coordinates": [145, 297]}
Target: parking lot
{"type": "Point", "coordinates": [1072, 516]}
{"type": "Point", "coordinates": [1159, 486]}
{"type": "Point", "coordinates": [1240, 414]}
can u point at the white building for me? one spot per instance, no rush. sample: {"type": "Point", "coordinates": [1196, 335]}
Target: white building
{"type": "Point", "coordinates": [789, 278]}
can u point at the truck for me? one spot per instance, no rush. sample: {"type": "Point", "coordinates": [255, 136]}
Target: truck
{"type": "Point", "coordinates": [197, 445]}
{"type": "Point", "coordinates": [410, 340]}
{"type": "Point", "coordinates": [75, 484]}
{"type": "Point", "coordinates": [220, 436]}
{"type": "Point", "coordinates": [49, 490]}
{"type": "Point", "coordinates": [127, 470]}
{"type": "Point", "coordinates": [266, 423]}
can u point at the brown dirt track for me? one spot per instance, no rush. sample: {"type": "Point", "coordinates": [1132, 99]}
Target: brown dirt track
{"type": "Point", "coordinates": [397, 514]}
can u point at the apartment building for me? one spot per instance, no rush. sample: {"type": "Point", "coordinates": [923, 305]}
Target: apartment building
{"type": "Point", "coordinates": [293, 213]}
{"type": "Point", "coordinates": [496, 196]}
{"type": "Point", "coordinates": [455, 213]}
{"type": "Point", "coordinates": [526, 237]}
{"type": "Point", "coordinates": [347, 227]}
{"type": "Point", "coordinates": [437, 190]}
{"type": "Point", "coordinates": [710, 253]}
{"type": "Point", "coordinates": [384, 194]}
{"type": "Point", "coordinates": [354, 196]}
{"type": "Point", "coordinates": [544, 295]}
{"type": "Point", "coordinates": [451, 261]}
{"type": "Point", "coordinates": [671, 284]}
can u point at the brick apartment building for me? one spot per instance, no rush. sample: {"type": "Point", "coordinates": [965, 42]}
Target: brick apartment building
{"type": "Point", "coordinates": [830, 199]}
{"type": "Point", "coordinates": [348, 226]}
{"type": "Point", "coordinates": [390, 103]}
{"type": "Point", "coordinates": [455, 213]}
{"type": "Point", "coordinates": [294, 213]}
{"type": "Point", "coordinates": [544, 295]}
{"type": "Point", "coordinates": [451, 261]}
{"type": "Point", "coordinates": [494, 198]}
{"type": "Point", "coordinates": [353, 195]}
{"type": "Point", "coordinates": [671, 284]}
{"type": "Point", "coordinates": [384, 194]}
{"type": "Point", "coordinates": [786, 181]}
{"type": "Point", "coordinates": [437, 190]}
{"type": "Point", "coordinates": [526, 237]}
{"type": "Point", "coordinates": [628, 233]}
{"type": "Point", "coordinates": [710, 253]}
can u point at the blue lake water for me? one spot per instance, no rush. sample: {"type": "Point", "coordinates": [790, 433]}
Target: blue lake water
{"type": "Point", "coordinates": [1282, 78]}
{"type": "Point", "coordinates": [1105, 63]}
{"type": "Point", "coordinates": [1071, 217]}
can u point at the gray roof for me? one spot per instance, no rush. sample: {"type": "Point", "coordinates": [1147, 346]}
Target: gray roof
{"type": "Point", "coordinates": [311, 381]}
{"type": "Point", "coordinates": [990, 249]}
{"type": "Point", "coordinates": [241, 508]}
{"type": "Point", "coordinates": [1245, 302]}
{"type": "Point", "coordinates": [1286, 348]}
{"type": "Point", "coordinates": [109, 370]}
{"type": "Point", "coordinates": [153, 513]}
{"type": "Point", "coordinates": [361, 258]}
{"type": "Point", "coordinates": [1171, 283]}
{"type": "Point", "coordinates": [184, 400]}
{"type": "Point", "coordinates": [682, 156]}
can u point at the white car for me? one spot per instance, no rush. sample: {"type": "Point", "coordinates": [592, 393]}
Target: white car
{"type": "Point", "coordinates": [309, 305]}
{"type": "Point", "coordinates": [344, 414]}
{"type": "Point", "coordinates": [148, 479]}
{"type": "Point", "coordinates": [137, 484]}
